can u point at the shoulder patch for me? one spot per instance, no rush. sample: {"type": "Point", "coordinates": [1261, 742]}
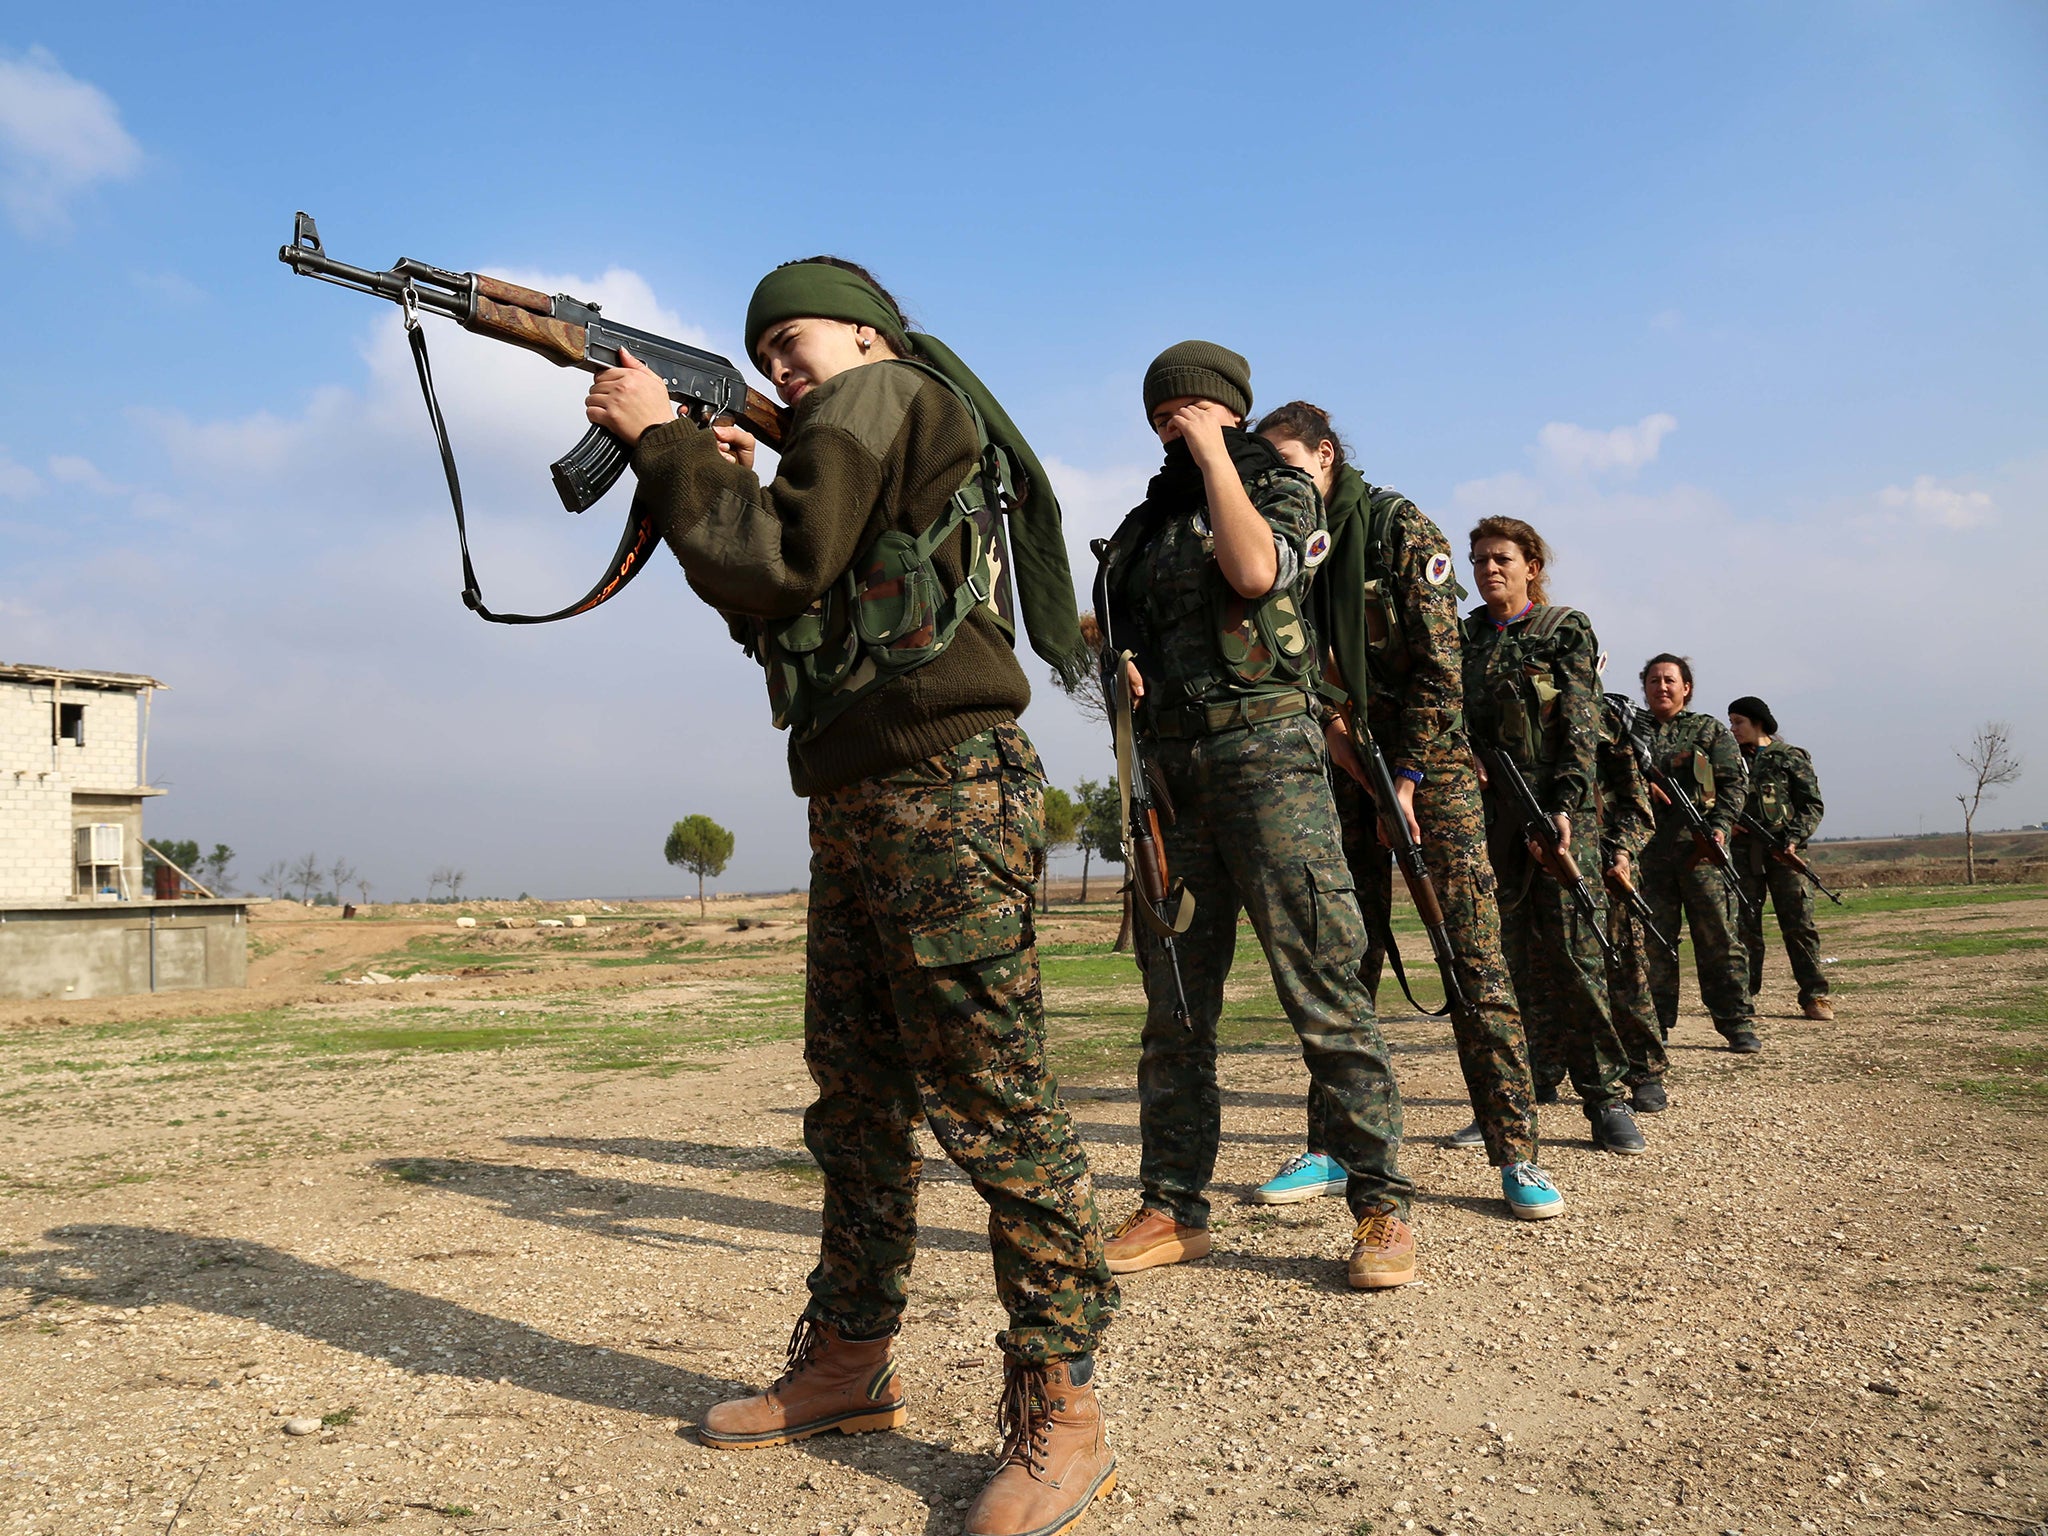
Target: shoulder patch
{"type": "Point", "coordinates": [1600, 664]}
{"type": "Point", "coordinates": [1438, 571]}
{"type": "Point", "coordinates": [1316, 550]}
{"type": "Point", "coordinates": [869, 404]}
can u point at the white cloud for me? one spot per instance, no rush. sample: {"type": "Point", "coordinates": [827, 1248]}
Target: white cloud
{"type": "Point", "coordinates": [1930, 502]}
{"type": "Point", "coordinates": [58, 136]}
{"type": "Point", "coordinates": [69, 469]}
{"type": "Point", "coordinates": [1576, 450]}
{"type": "Point", "coordinates": [17, 481]}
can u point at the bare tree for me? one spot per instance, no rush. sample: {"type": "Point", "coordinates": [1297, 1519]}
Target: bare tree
{"type": "Point", "coordinates": [362, 885]}
{"type": "Point", "coordinates": [341, 875]}
{"type": "Point", "coordinates": [455, 879]}
{"type": "Point", "coordinates": [1991, 762]}
{"type": "Point", "coordinates": [1086, 695]}
{"type": "Point", "coordinates": [275, 880]}
{"type": "Point", "coordinates": [305, 877]}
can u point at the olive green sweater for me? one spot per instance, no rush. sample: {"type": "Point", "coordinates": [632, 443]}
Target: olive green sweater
{"type": "Point", "coordinates": [878, 447]}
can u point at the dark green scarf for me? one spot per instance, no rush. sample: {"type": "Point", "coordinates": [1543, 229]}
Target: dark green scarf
{"type": "Point", "coordinates": [1045, 585]}
{"type": "Point", "coordinates": [1336, 599]}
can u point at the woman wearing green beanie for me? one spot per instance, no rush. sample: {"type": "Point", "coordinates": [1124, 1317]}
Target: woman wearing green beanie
{"type": "Point", "coordinates": [871, 580]}
{"type": "Point", "coordinates": [1204, 587]}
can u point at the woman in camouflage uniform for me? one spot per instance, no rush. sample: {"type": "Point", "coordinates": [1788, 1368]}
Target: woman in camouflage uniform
{"type": "Point", "coordinates": [1206, 584]}
{"type": "Point", "coordinates": [1698, 753]}
{"type": "Point", "coordinates": [865, 580]}
{"type": "Point", "coordinates": [1385, 604]}
{"type": "Point", "coordinates": [1533, 701]}
{"type": "Point", "coordinates": [1784, 796]}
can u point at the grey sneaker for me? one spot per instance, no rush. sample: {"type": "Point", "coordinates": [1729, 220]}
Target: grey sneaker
{"type": "Point", "coordinates": [1647, 1098]}
{"type": "Point", "coordinates": [1467, 1138]}
{"type": "Point", "coordinates": [1614, 1130]}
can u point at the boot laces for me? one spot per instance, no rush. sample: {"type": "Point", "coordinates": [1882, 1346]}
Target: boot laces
{"type": "Point", "coordinates": [1125, 1226]}
{"type": "Point", "coordinates": [1023, 1417]}
{"type": "Point", "coordinates": [805, 1340]}
{"type": "Point", "coordinates": [1377, 1229]}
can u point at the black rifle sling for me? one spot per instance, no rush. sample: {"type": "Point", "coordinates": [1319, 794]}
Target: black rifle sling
{"type": "Point", "coordinates": [634, 545]}
{"type": "Point", "coordinates": [1401, 975]}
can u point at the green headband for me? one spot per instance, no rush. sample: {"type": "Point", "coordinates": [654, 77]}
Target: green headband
{"type": "Point", "coordinates": [827, 292]}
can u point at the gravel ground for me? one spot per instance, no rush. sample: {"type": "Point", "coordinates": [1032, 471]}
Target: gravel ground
{"type": "Point", "coordinates": [492, 1288]}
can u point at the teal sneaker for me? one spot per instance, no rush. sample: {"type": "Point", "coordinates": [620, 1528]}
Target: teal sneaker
{"type": "Point", "coordinates": [1529, 1192]}
{"type": "Point", "coordinates": [1305, 1176]}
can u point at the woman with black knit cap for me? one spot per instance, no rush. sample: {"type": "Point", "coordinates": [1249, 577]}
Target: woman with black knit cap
{"type": "Point", "coordinates": [1204, 587]}
{"type": "Point", "coordinates": [1784, 800]}
{"type": "Point", "coordinates": [869, 580]}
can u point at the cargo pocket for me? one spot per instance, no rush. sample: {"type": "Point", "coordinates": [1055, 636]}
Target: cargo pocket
{"type": "Point", "coordinates": [1336, 925]}
{"type": "Point", "coordinates": [980, 907]}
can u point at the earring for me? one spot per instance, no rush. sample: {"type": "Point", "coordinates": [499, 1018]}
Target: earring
{"type": "Point", "coordinates": [866, 342]}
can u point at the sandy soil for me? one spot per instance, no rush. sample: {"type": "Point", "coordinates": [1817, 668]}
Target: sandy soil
{"type": "Point", "coordinates": [506, 1283]}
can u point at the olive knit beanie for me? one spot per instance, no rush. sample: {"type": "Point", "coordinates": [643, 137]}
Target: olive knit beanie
{"type": "Point", "coordinates": [1757, 712]}
{"type": "Point", "coordinates": [1201, 369]}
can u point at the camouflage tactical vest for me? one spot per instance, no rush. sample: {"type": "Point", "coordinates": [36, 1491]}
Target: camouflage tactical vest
{"type": "Point", "coordinates": [1203, 643]}
{"type": "Point", "coordinates": [1517, 704]}
{"type": "Point", "coordinates": [886, 615]}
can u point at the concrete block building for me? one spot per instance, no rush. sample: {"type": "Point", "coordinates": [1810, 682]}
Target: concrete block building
{"type": "Point", "coordinates": [74, 755]}
{"type": "Point", "coordinates": [75, 920]}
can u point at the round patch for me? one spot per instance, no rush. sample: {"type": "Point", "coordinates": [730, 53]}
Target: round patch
{"type": "Point", "coordinates": [1600, 663]}
{"type": "Point", "coordinates": [1316, 550]}
{"type": "Point", "coordinates": [1438, 571]}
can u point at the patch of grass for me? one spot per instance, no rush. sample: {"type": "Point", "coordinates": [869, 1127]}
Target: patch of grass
{"type": "Point", "coordinates": [1865, 901]}
{"type": "Point", "coordinates": [798, 1170]}
{"type": "Point", "coordinates": [338, 1418]}
{"type": "Point", "coordinates": [454, 1511]}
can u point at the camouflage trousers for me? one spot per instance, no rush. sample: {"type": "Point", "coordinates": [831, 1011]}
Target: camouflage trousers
{"type": "Point", "coordinates": [1491, 1049]}
{"type": "Point", "coordinates": [1561, 977]}
{"type": "Point", "coordinates": [921, 996]}
{"type": "Point", "coordinates": [1628, 995]}
{"type": "Point", "coordinates": [1255, 831]}
{"type": "Point", "coordinates": [1792, 899]}
{"type": "Point", "coordinates": [1676, 887]}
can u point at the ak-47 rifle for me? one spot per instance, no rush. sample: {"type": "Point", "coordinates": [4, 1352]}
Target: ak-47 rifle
{"type": "Point", "coordinates": [1544, 833]}
{"type": "Point", "coordinates": [1644, 916]}
{"type": "Point", "coordinates": [1779, 847]}
{"type": "Point", "coordinates": [1165, 908]}
{"type": "Point", "coordinates": [1670, 792]}
{"type": "Point", "coordinates": [571, 334]}
{"type": "Point", "coordinates": [1414, 867]}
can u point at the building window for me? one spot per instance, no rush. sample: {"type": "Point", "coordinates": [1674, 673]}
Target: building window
{"type": "Point", "coordinates": [69, 724]}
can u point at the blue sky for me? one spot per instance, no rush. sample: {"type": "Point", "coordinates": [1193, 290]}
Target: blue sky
{"type": "Point", "coordinates": [1745, 308]}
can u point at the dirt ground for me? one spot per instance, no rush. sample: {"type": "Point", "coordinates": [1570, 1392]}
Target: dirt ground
{"type": "Point", "coordinates": [501, 1233]}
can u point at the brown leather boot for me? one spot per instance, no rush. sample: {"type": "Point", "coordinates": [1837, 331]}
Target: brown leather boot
{"type": "Point", "coordinates": [1146, 1238]}
{"type": "Point", "coordinates": [831, 1382]}
{"type": "Point", "coordinates": [1818, 1008]}
{"type": "Point", "coordinates": [1056, 1458]}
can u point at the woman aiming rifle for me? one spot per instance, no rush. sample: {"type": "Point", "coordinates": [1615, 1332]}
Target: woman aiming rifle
{"type": "Point", "coordinates": [864, 580]}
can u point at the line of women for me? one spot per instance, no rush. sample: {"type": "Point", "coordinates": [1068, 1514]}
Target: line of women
{"type": "Point", "coordinates": [1275, 606]}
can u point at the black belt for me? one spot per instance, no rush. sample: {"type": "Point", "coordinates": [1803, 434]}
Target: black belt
{"type": "Point", "coordinates": [1185, 721]}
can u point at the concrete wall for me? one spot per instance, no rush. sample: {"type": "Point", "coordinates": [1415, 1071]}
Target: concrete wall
{"type": "Point", "coordinates": [35, 838]}
{"type": "Point", "coordinates": [125, 812]}
{"type": "Point", "coordinates": [76, 950]}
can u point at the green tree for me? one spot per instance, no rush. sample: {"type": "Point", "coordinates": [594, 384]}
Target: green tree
{"type": "Point", "coordinates": [1062, 828]}
{"type": "Point", "coordinates": [698, 843]}
{"type": "Point", "coordinates": [1101, 834]}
